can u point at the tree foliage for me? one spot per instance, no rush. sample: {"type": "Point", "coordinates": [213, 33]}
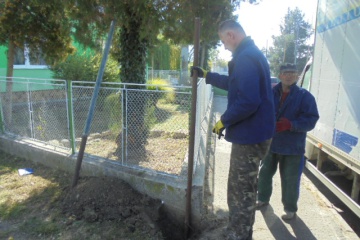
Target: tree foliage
{"type": "Point", "coordinates": [41, 25]}
{"type": "Point", "coordinates": [164, 56]}
{"type": "Point", "coordinates": [144, 20]}
{"type": "Point", "coordinates": [291, 46]}
{"type": "Point", "coordinates": [180, 22]}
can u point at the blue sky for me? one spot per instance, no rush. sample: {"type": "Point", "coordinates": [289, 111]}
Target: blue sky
{"type": "Point", "coordinates": [261, 21]}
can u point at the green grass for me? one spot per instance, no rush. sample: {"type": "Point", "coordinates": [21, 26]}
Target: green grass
{"type": "Point", "coordinates": [29, 200]}
{"type": "Point", "coordinates": [9, 209]}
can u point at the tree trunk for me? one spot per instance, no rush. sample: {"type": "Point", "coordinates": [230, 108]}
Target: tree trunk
{"type": "Point", "coordinates": [133, 66]}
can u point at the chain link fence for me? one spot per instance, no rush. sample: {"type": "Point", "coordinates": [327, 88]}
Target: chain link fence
{"type": "Point", "coordinates": [174, 77]}
{"type": "Point", "coordinates": [135, 125]}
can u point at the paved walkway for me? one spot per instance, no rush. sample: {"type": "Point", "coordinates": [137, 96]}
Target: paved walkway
{"type": "Point", "coordinates": [316, 218]}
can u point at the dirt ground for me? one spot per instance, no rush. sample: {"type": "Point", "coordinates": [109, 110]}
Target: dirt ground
{"type": "Point", "coordinates": [42, 205]}
{"type": "Point", "coordinates": [163, 152]}
{"type": "Point", "coordinates": [108, 199]}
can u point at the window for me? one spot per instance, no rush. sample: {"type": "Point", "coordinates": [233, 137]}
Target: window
{"type": "Point", "coordinates": [24, 59]}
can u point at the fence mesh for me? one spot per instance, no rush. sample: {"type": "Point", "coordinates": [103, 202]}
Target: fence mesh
{"type": "Point", "coordinates": [133, 125]}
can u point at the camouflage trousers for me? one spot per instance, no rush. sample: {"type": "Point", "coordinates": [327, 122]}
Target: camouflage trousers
{"type": "Point", "coordinates": [242, 188]}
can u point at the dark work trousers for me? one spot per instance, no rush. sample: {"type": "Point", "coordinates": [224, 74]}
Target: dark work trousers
{"type": "Point", "coordinates": [291, 168]}
{"type": "Point", "coordinates": [242, 187]}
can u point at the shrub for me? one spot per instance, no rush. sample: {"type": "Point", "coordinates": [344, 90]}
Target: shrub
{"type": "Point", "coordinates": [165, 90]}
{"type": "Point", "coordinates": [85, 67]}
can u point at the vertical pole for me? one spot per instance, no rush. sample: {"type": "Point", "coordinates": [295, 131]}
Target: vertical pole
{"type": "Point", "coordinates": [147, 72]}
{"type": "Point", "coordinates": [192, 129]}
{"type": "Point", "coordinates": [356, 187]}
{"type": "Point", "coordinates": [31, 111]}
{"type": "Point", "coordinates": [2, 127]}
{"type": "Point", "coordinates": [321, 158]}
{"type": "Point", "coordinates": [70, 115]}
{"type": "Point", "coordinates": [92, 105]}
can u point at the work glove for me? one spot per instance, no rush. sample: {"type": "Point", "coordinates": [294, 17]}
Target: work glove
{"type": "Point", "coordinates": [283, 124]}
{"type": "Point", "coordinates": [219, 128]}
{"type": "Point", "coordinates": [200, 72]}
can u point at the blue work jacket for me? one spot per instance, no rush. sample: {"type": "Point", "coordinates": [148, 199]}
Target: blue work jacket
{"type": "Point", "coordinates": [250, 115]}
{"type": "Point", "coordinates": [300, 109]}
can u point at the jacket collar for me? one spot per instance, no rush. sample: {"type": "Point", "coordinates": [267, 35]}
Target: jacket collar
{"type": "Point", "coordinates": [278, 88]}
{"type": "Point", "coordinates": [247, 41]}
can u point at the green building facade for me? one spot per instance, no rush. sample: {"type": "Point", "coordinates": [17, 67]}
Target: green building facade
{"type": "Point", "coordinates": [24, 71]}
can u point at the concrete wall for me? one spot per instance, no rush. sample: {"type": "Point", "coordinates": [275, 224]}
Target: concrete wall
{"type": "Point", "coordinates": [170, 189]}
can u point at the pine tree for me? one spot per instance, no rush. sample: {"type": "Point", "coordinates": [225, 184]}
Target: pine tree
{"type": "Point", "coordinates": [291, 46]}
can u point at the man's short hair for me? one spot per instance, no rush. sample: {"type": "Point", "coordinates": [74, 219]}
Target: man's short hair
{"type": "Point", "coordinates": [230, 24]}
{"type": "Point", "coordinates": [288, 67]}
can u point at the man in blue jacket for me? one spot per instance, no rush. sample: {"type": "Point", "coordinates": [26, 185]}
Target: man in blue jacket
{"type": "Point", "coordinates": [296, 114]}
{"type": "Point", "coordinates": [249, 121]}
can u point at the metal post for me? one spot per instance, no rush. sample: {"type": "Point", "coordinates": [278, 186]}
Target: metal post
{"type": "Point", "coordinates": [2, 125]}
{"type": "Point", "coordinates": [192, 129]}
{"type": "Point", "coordinates": [92, 105]}
{"type": "Point", "coordinates": [70, 115]}
{"type": "Point", "coordinates": [321, 158]}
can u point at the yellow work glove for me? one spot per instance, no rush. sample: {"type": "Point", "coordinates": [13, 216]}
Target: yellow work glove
{"type": "Point", "coordinates": [201, 73]}
{"type": "Point", "coordinates": [219, 128]}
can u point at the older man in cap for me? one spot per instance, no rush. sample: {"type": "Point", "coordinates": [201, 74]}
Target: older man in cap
{"type": "Point", "coordinates": [296, 114]}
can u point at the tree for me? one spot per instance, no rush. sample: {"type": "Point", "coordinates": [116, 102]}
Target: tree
{"type": "Point", "coordinates": [291, 46]}
{"type": "Point", "coordinates": [180, 24]}
{"type": "Point", "coordinates": [164, 55]}
{"type": "Point", "coordinates": [41, 26]}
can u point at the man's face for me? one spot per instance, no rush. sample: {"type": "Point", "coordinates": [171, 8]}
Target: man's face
{"type": "Point", "coordinates": [226, 38]}
{"type": "Point", "coordinates": [288, 78]}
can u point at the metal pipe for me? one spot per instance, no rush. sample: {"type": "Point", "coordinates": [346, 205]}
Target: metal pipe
{"type": "Point", "coordinates": [92, 104]}
{"type": "Point", "coordinates": [192, 129]}
{"type": "Point", "coordinates": [70, 111]}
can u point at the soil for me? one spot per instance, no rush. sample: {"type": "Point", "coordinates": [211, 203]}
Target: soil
{"type": "Point", "coordinates": [109, 199]}
{"type": "Point", "coordinates": [163, 152]}
{"type": "Point", "coordinates": [97, 208]}
{"type": "Point", "coordinates": [97, 199]}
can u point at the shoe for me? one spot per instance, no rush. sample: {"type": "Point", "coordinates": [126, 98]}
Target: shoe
{"type": "Point", "coordinates": [260, 204]}
{"type": "Point", "coordinates": [288, 215]}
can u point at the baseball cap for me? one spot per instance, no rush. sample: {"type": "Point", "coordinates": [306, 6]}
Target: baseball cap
{"type": "Point", "coordinates": [288, 67]}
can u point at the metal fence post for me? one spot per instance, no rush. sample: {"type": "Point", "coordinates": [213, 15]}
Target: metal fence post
{"type": "Point", "coordinates": [192, 130]}
{"type": "Point", "coordinates": [92, 104]}
{"type": "Point", "coordinates": [69, 95]}
{"type": "Point", "coordinates": [31, 110]}
{"type": "Point", "coordinates": [1, 118]}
